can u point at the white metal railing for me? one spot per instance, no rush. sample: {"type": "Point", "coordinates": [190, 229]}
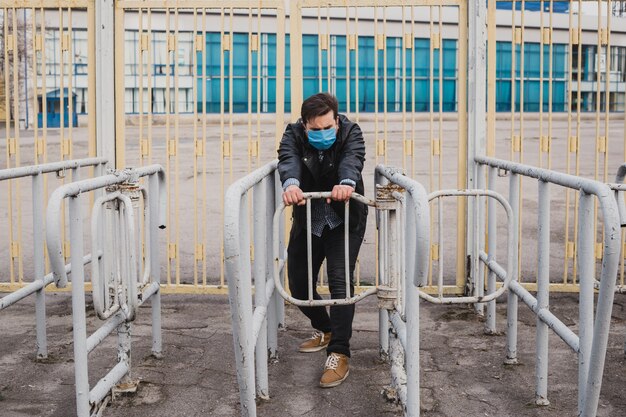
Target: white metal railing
{"type": "Point", "coordinates": [255, 325]}
{"type": "Point", "coordinates": [118, 288]}
{"type": "Point", "coordinates": [40, 280]}
{"type": "Point", "coordinates": [403, 218]}
{"type": "Point", "coordinates": [591, 342]}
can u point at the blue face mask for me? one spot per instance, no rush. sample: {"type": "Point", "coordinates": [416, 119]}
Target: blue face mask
{"type": "Point", "coordinates": [322, 139]}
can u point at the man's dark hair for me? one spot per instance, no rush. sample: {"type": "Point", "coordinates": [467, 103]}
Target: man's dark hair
{"type": "Point", "coordinates": [318, 105]}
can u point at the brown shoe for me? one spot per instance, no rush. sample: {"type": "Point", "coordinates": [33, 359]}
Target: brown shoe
{"type": "Point", "coordinates": [316, 343]}
{"type": "Point", "coordinates": [335, 370]}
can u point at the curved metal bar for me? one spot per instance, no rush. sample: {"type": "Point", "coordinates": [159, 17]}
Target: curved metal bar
{"type": "Point", "coordinates": [53, 233]}
{"type": "Point", "coordinates": [420, 211]}
{"type": "Point", "coordinates": [239, 287]}
{"type": "Point", "coordinates": [129, 277]}
{"type": "Point", "coordinates": [510, 247]}
{"type": "Point", "coordinates": [102, 310]}
{"type": "Point", "coordinates": [277, 259]}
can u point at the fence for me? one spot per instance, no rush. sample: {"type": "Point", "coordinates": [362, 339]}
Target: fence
{"type": "Point", "coordinates": [41, 281]}
{"type": "Point", "coordinates": [173, 63]}
{"type": "Point", "coordinates": [118, 286]}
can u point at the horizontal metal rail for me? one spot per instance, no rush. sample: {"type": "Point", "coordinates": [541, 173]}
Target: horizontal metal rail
{"type": "Point", "coordinates": [35, 286]}
{"type": "Point", "coordinates": [591, 344]}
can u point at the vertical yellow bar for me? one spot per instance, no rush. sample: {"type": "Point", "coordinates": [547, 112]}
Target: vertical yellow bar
{"type": "Point", "coordinates": [70, 90]}
{"type": "Point", "coordinates": [431, 139]}
{"type": "Point", "coordinates": [295, 20]}
{"type": "Point", "coordinates": [198, 148]}
{"type": "Point", "coordinates": [168, 147]}
{"type": "Point", "coordinates": [513, 78]}
{"type": "Point", "coordinates": [385, 86]}
{"type": "Point", "coordinates": [231, 56]}
{"type": "Point", "coordinates": [9, 139]}
{"type": "Point", "coordinates": [222, 156]}
{"type": "Point", "coordinates": [330, 88]}
{"type": "Point", "coordinates": [150, 71]}
{"type": "Point", "coordinates": [140, 48]}
{"type": "Point", "coordinates": [570, 63]}
{"type": "Point", "coordinates": [376, 84]}
{"type": "Point", "coordinates": [348, 37]}
{"type": "Point", "coordinates": [607, 94]}
{"type": "Point", "coordinates": [120, 153]}
{"type": "Point", "coordinates": [62, 33]}
{"type": "Point", "coordinates": [491, 78]}
{"type": "Point", "coordinates": [204, 157]}
{"type": "Point", "coordinates": [550, 93]}
{"type": "Point", "coordinates": [541, 64]}
{"type": "Point", "coordinates": [176, 141]}
{"type": "Point", "coordinates": [462, 155]}
{"type": "Point", "coordinates": [413, 135]}
{"type": "Point", "coordinates": [249, 81]}
{"type": "Point", "coordinates": [403, 86]}
{"type": "Point", "coordinates": [280, 73]}
{"type": "Point", "coordinates": [35, 50]}
{"type": "Point", "coordinates": [577, 141]}
{"type": "Point", "coordinates": [91, 78]}
{"type": "Point", "coordinates": [320, 43]}
{"type": "Point", "coordinates": [356, 69]}
{"type": "Point", "coordinates": [16, 139]}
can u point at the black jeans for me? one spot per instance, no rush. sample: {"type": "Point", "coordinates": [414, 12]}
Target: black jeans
{"type": "Point", "coordinates": [332, 247]}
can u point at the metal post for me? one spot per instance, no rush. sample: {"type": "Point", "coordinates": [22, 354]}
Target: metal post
{"type": "Point", "coordinates": [105, 79]}
{"type": "Point", "coordinates": [412, 356]}
{"type": "Point", "coordinates": [511, 334]}
{"type": "Point", "coordinates": [260, 276]}
{"type": "Point", "coordinates": [586, 267]}
{"type": "Point", "coordinates": [38, 259]}
{"type": "Point", "coordinates": [490, 323]}
{"type": "Point", "coordinates": [383, 315]}
{"type": "Point", "coordinates": [240, 294]}
{"type": "Point", "coordinates": [543, 292]}
{"type": "Point", "coordinates": [477, 132]}
{"type": "Point", "coordinates": [155, 268]}
{"type": "Point", "coordinates": [478, 240]}
{"type": "Point", "coordinates": [280, 303]}
{"type": "Point", "coordinates": [272, 308]}
{"type": "Point", "coordinates": [78, 308]}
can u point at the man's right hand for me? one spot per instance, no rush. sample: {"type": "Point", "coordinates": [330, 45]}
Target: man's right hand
{"type": "Point", "coordinates": [293, 195]}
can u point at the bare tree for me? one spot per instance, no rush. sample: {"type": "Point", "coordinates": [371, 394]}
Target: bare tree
{"type": "Point", "coordinates": [15, 55]}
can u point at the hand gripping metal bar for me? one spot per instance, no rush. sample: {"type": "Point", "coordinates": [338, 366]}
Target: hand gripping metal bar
{"type": "Point", "coordinates": [279, 262]}
{"type": "Point", "coordinates": [511, 252]}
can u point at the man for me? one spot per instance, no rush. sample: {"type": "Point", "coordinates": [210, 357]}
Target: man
{"type": "Point", "coordinates": [324, 151]}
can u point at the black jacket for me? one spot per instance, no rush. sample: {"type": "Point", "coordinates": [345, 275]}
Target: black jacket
{"type": "Point", "coordinates": [344, 160]}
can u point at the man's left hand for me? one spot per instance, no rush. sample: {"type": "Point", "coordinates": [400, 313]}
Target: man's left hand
{"type": "Point", "coordinates": [340, 193]}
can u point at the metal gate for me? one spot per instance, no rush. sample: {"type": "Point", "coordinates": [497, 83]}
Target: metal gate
{"type": "Point", "coordinates": [46, 56]}
{"type": "Point", "coordinates": [202, 88]}
{"type": "Point", "coordinates": [197, 93]}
